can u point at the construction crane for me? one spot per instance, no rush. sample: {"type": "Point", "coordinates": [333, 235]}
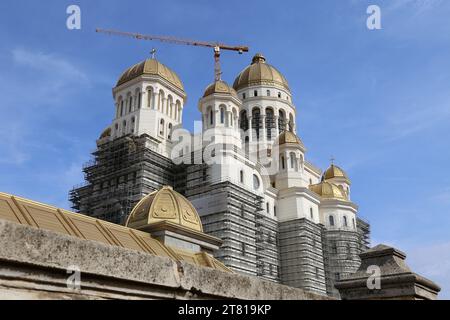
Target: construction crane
{"type": "Point", "coordinates": [216, 46]}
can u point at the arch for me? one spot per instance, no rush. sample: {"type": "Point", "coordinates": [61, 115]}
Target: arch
{"type": "Point", "coordinates": [210, 116]}
{"type": "Point", "coordinates": [294, 163]}
{"type": "Point", "coordinates": [150, 92]}
{"type": "Point", "coordinates": [169, 108]}
{"type": "Point", "coordinates": [161, 101]}
{"type": "Point", "coordinates": [282, 162]}
{"type": "Point", "coordinates": [137, 99]}
{"type": "Point", "coordinates": [256, 120]}
{"type": "Point", "coordinates": [331, 220]}
{"type": "Point", "coordinates": [281, 120]}
{"type": "Point", "coordinates": [270, 122]}
{"type": "Point", "coordinates": [118, 107]}
{"type": "Point", "coordinates": [177, 110]}
{"type": "Point", "coordinates": [243, 120]}
{"type": "Point", "coordinates": [256, 182]}
{"type": "Point", "coordinates": [222, 114]}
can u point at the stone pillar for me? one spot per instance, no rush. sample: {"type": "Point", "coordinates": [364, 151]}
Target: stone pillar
{"type": "Point", "coordinates": [396, 280]}
{"type": "Point", "coordinates": [277, 128]}
{"type": "Point", "coordinates": [250, 128]}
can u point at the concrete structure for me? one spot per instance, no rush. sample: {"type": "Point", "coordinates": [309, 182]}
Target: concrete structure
{"type": "Point", "coordinates": [396, 280]}
{"type": "Point", "coordinates": [280, 217]}
{"type": "Point", "coordinates": [48, 253]}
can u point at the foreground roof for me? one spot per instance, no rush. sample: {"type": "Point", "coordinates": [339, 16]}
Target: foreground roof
{"type": "Point", "coordinates": [42, 216]}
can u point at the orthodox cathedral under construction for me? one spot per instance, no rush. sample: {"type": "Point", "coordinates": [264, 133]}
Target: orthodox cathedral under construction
{"type": "Point", "coordinates": [280, 217]}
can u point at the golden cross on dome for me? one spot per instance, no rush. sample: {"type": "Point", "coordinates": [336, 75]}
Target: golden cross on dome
{"type": "Point", "coordinates": [332, 160]}
{"type": "Point", "coordinates": [153, 52]}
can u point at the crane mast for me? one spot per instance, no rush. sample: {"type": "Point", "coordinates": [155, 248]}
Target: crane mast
{"type": "Point", "coordinates": [217, 47]}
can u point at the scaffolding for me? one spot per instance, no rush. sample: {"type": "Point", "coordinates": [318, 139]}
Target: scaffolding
{"type": "Point", "coordinates": [121, 172]}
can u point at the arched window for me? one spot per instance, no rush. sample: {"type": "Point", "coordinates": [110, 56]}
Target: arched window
{"type": "Point", "coordinates": [130, 104]}
{"type": "Point", "coordinates": [222, 115]}
{"type": "Point", "coordinates": [256, 183]}
{"type": "Point", "coordinates": [274, 211]}
{"type": "Point", "coordinates": [241, 176]}
{"type": "Point", "coordinates": [139, 99]}
{"type": "Point", "coordinates": [283, 164]}
{"type": "Point", "coordinates": [211, 117]}
{"type": "Point", "coordinates": [243, 96]}
{"type": "Point", "coordinates": [255, 93]}
{"type": "Point", "coordinates": [161, 128]}
{"type": "Point", "coordinates": [311, 212]}
{"type": "Point", "coordinates": [331, 218]}
{"type": "Point", "coordinates": [354, 224]}
{"type": "Point", "coordinates": [279, 94]}
{"type": "Point", "coordinates": [294, 164]}
{"type": "Point", "coordinates": [149, 97]}
{"type": "Point", "coordinates": [267, 207]}
{"type": "Point", "coordinates": [345, 222]}
{"type": "Point", "coordinates": [121, 108]}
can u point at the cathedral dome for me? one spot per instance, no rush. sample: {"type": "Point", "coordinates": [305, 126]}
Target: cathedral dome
{"type": "Point", "coordinates": [154, 68]}
{"type": "Point", "coordinates": [335, 172]}
{"type": "Point", "coordinates": [329, 190]}
{"type": "Point", "coordinates": [220, 87]}
{"type": "Point", "coordinates": [260, 73]}
{"type": "Point", "coordinates": [165, 205]}
{"type": "Point", "coordinates": [287, 137]}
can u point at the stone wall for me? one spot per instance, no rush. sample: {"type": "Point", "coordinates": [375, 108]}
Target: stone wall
{"type": "Point", "coordinates": [34, 264]}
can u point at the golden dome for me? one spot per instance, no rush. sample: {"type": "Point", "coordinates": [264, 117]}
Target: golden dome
{"type": "Point", "coordinates": [106, 133]}
{"type": "Point", "coordinates": [287, 137]}
{"type": "Point", "coordinates": [329, 190]}
{"type": "Point", "coordinates": [164, 205]}
{"type": "Point", "coordinates": [151, 67]}
{"type": "Point", "coordinates": [260, 73]}
{"type": "Point", "coordinates": [220, 87]}
{"type": "Point", "coordinates": [335, 172]}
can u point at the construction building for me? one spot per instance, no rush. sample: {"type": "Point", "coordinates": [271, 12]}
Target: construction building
{"type": "Point", "coordinates": [279, 217]}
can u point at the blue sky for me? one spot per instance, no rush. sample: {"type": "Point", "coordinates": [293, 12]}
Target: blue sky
{"type": "Point", "coordinates": [378, 101]}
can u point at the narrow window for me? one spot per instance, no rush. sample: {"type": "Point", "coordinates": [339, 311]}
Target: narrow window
{"type": "Point", "coordinates": [310, 181]}
{"type": "Point", "coordinates": [243, 96]}
{"type": "Point", "coordinates": [222, 115]}
{"type": "Point", "coordinates": [311, 212]}
{"type": "Point", "coordinates": [275, 211]}
{"type": "Point", "coordinates": [334, 247]}
{"type": "Point", "coordinates": [279, 94]}
{"type": "Point", "coordinates": [267, 207]}
{"type": "Point", "coordinates": [337, 276]}
{"type": "Point", "coordinates": [255, 93]}
{"type": "Point", "coordinates": [268, 93]}
{"type": "Point", "coordinates": [345, 222]}
{"type": "Point", "coordinates": [169, 133]}
{"type": "Point", "coordinates": [211, 117]}
{"type": "Point", "coordinates": [354, 224]}
{"type": "Point", "coordinates": [283, 165]}
{"type": "Point", "coordinates": [331, 218]}
{"type": "Point", "coordinates": [241, 174]}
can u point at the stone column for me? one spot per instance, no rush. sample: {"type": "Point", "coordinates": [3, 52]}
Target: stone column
{"type": "Point", "coordinates": [250, 129]}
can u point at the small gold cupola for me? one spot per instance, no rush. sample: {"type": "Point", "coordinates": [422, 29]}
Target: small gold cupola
{"type": "Point", "coordinates": [172, 219]}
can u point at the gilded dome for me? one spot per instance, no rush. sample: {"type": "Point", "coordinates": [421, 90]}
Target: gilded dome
{"type": "Point", "coordinates": [260, 73]}
{"type": "Point", "coordinates": [220, 87]}
{"type": "Point", "coordinates": [329, 190]}
{"type": "Point", "coordinates": [151, 67]}
{"type": "Point", "coordinates": [335, 172]}
{"type": "Point", "coordinates": [289, 137]}
{"type": "Point", "coordinates": [165, 205]}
